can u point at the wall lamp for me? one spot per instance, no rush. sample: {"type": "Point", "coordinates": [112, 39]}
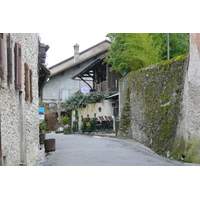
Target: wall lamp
{"type": "Point", "coordinates": [99, 109]}
{"type": "Point", "coordinates": [113, 104]}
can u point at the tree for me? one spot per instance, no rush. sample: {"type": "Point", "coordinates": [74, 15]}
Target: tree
{"type": "Point", "coordinates": [132, 51]}
{"type": "Point", "coordinates": [178, 44]}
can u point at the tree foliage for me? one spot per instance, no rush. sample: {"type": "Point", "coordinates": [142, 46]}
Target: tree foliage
{"type": "Point", "coordinates": [132, 51]}
{"type": "Point", "coordinates": [66, 120]}
{"type": "Point", "coordinates": [178, 44]}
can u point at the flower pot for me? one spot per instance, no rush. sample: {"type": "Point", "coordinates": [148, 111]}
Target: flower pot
{"type": "Point", "coordinates": [49, 145]}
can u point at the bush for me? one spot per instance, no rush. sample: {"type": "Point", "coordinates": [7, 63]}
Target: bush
{"type": "Point", "coordinates": [43, 125]}
{"type": "Point", "coordinates": [51, 120]}
{"type": "Point", "coordinates": [66, 120]}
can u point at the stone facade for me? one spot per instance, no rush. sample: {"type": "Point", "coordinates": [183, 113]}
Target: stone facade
{"type": "Point", "coordinates": [19, 117]}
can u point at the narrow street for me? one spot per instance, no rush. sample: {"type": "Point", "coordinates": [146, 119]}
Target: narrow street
{"type": "Point", "coordinates": [94, 150]}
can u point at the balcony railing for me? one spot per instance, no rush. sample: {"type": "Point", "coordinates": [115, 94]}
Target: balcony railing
{"type": "Point", "coordinates": [101, 87]}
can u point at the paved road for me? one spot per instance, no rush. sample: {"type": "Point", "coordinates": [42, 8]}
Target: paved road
{"type": "Point", "coordinates": [84, 150]}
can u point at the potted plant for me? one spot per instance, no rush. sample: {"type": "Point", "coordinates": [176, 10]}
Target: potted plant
{"type": "Point", "coordinates": [83, 125]}
{"type": "Point", "coordinates": [89, 125]}
{"type": "Point", "coordinates": [66, 122]}
{"type": "Point", "coordinates": [42, 128]}
{"type": "Point", "coordinates": [67, 129]}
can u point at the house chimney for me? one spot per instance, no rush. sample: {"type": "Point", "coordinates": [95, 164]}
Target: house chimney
{"type": "Point", "coordinates": [76, 52]}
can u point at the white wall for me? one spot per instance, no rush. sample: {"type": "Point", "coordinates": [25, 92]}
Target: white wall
{"type": "Point", "coordinates": [61, 82]}
{"type": "Point", "coordinates": [106, 110]}
{"type": "Point", "coordinates": [189, 126]}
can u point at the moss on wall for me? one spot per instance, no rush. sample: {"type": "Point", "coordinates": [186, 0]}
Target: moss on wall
{"type": "Point", "coordinates": [151, 103]}
{"type": "Point", "coordinates": [188, 151]}
{"type": "Point", "coordinates": [126, 116]}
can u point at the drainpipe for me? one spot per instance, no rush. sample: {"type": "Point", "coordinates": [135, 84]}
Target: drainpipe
{"type": "Point", "coordinates": [0, 143]}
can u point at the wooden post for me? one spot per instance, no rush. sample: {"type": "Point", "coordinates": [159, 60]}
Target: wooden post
{"type": "Point", "coordinates": [107, 78]}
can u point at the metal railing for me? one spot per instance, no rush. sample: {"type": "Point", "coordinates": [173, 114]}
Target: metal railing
{"type": "Point", "coordinates": [96, 124]}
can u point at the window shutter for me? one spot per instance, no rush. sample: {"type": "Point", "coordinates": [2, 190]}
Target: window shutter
{"type": "Point", "coordinates": [19, 83]}
{"type": "Point", "coordinates": [31, 91]}
{"type": "Point", "coordinates": [26, 70]}
{"type": "Point", "coordinates": [18, 67]}
{"type": "Point", "coordinates": [9, 58]}
{"type": "Point", "coordinates": [15, 60]}
{"type": "Point", "coordinates": [1, 59]}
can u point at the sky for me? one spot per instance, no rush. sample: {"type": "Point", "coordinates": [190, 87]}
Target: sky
{"type": "Point", "coordinates": [61, 45]}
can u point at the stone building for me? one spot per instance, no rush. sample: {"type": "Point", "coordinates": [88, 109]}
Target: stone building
{"type": "Point", "coordinates": [61, 85]}
{"type": "Point", "coordinates": [84, 70]}
{"type": "Point", "coordinates": [19, 130]}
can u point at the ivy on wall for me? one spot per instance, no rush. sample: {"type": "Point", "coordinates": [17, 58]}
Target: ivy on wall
{"type": "Point", "coordinates": [80, 100]}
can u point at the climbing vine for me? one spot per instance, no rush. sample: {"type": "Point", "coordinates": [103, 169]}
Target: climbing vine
{"type": "Point", "coordinates": [79, 100]}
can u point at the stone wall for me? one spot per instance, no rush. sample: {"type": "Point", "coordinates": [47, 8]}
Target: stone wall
{"type": "Point", "coordinates": [151, 104]}
{"type": "Point", "coordinates": [19, 118]}
{"type": "Point", "coordinates": [160, 106]}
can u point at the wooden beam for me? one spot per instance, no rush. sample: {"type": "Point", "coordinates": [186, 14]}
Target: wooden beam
{"type": "Point", "coordinates": [85, 82]}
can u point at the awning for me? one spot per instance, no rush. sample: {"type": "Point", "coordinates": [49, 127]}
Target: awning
{"type": "Point", "coordinates": [114, 95]}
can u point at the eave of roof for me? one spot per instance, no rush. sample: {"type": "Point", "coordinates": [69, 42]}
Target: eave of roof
{"type": "Point", "coordinates": [89, 66]}
{"type": "Point", "coordinates": [45, 69]}
{"type": "Point", "coordinates": [75, 64]}
{"type": "Point", "coordinates": [79, 62]}
{"type": "Point", "coordinates": [79, 53]}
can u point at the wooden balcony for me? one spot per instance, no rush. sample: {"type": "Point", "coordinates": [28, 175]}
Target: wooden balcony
{"type": "Point", "coordinates": [102, 87]}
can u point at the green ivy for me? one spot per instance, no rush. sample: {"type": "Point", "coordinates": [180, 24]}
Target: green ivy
{"type": "Point", "coordinates": [43, 125]}
{"type": "Point", "coordinates": [80, 100]}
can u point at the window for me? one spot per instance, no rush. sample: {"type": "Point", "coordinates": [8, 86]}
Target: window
{"type": "Point", "coordinates": [65, 94]}
{"type": "Point", "coordinates": [18, 67]}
